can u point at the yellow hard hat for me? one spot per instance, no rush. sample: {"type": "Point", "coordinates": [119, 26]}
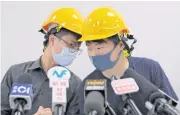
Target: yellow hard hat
{"type": "Point", "coordinates": [68, 18]}
{"type": "Point", "coordinates": [102, 23]}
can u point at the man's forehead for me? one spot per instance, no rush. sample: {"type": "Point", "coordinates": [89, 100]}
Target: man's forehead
{"type": "Point", "coordinates": [70, 38]}
{"type": "Point", "coordinates": [97, 42]}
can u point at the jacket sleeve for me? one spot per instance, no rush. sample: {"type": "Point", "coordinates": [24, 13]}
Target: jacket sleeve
{"type": "Point", "coordinates": [6, 84]}
{"type": "Point", "coordinates": [161, 80]}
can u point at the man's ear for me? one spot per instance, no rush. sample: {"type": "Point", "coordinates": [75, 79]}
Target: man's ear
{"type": "Point", "coordinates": [121, 45]}
{"type": "Point", "coordinates": [51, 39]}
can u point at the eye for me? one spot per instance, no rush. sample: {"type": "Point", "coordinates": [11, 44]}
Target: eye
{"type": "Point", "coordinates": [99, 48]}
{"type": "Point", "coordinates": [73, 45]}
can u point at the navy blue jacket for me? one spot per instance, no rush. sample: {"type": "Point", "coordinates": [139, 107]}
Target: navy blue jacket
{"type": "Point", "coordinates": [148, 68]}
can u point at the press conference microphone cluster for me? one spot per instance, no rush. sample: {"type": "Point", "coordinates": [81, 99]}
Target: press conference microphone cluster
{"type": "Point", "coordinates": [21, 94]}
{"type": "Point", "coordinates": [158, 104]}
{"type": "Point", "coordinates": [125, 87]}
{"type": "Point", "coordinates": [150, 95]}
{"type": "Point", "coordinates": [95, 95]}
{"type": "Point", "coordinates": [59, 82]}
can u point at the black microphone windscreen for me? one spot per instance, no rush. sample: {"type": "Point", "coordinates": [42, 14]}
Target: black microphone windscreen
{"type": "Point", "coordinates": [146, 88]}
{"type": "Point", "coordinates": [155, 96]}
{"type": "Point", "coordinates": [25, 78]}
{"type": "Point", "coordinates": [94, 101]}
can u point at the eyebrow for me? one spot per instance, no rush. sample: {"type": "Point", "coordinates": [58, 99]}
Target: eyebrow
{"type": "Point", "coordinates": [96, 43]}
{"type": "Point", "coordinates": [73, 42]}
{"type": "Point", "coordinates": [70, 41]}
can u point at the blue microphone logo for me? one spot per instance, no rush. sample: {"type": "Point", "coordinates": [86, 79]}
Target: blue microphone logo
{"type": "Point", "coordinates": [21, 89]}
{"type": "Point", "coordinates": [61, 74]}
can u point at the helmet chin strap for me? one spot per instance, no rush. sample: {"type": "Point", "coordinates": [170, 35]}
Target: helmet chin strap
{"type": "Point", "coordinates": [128, 41]}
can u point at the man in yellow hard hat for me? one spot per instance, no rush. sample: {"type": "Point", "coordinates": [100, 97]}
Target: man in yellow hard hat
{"type": "Point", "coordinates": [109, 46]}
{"type": "Point", "coordinates": [62, 30]}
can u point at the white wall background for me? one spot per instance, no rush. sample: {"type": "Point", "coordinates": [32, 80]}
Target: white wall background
{"type": "Point", "coordinates": [0, 36]}
{"type": "Point", "coordinates": [156, 25]}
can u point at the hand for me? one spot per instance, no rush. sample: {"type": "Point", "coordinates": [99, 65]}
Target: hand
{"type": "Point", "coordinates": [43, 111]}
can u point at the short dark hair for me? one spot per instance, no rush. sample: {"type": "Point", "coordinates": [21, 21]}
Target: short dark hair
{"type": "Point", "coordinates": [61, 33]}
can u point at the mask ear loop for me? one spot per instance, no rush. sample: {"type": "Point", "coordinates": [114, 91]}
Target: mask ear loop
{"type": "Point", "coordinates": [59, 42]}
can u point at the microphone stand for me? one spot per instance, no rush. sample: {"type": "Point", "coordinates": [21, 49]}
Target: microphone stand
{"type": "Point", "coordinates": [93, 112]}
{"type": "Point", "coordinates": [161, 107]}
{"type": "Point", "coordinates": [109, 110]}
{"type": "Point", "coordinates": [19, 107]}
{"type": "Point", "coordinates": [18, 113]}
{"type": "Point", "coordinates": [130, 106]}
{"type": "Point", "coordinates": [58, 110]}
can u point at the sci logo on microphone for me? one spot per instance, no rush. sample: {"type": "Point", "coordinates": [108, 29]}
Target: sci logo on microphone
{"type": "Point", "coordinates": [21, 89]}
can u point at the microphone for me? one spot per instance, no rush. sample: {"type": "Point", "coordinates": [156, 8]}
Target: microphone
{"type": "Point", "coordinates": [59, 76]}
{"type": "Point", "coordinates": [94, 104]}
{"type": "Point", "coordinates": [59, 100]}
{"type": "Point", "coordinates": [96, 98]}
{"type": "Point", "coordinates": [20, 97]}
{"type": "Point", "coordinates": [125, 87]}
{"type": "Point", "coordinates": [59, 82]}
{"type": "Point", "coordinates": [161, 105]}
{"type": "Point", "coordinates": [170, 100]}
{"type": "Point", "coordinates": [146, 89]}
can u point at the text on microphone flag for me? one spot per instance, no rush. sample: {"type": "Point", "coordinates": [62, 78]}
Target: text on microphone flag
{"type": "Point", "coordinates": [124, 86]}
{"type": "Point", "coordinates": [60, 83]}
{"type": "Point", "coordinates": [59, 95]}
